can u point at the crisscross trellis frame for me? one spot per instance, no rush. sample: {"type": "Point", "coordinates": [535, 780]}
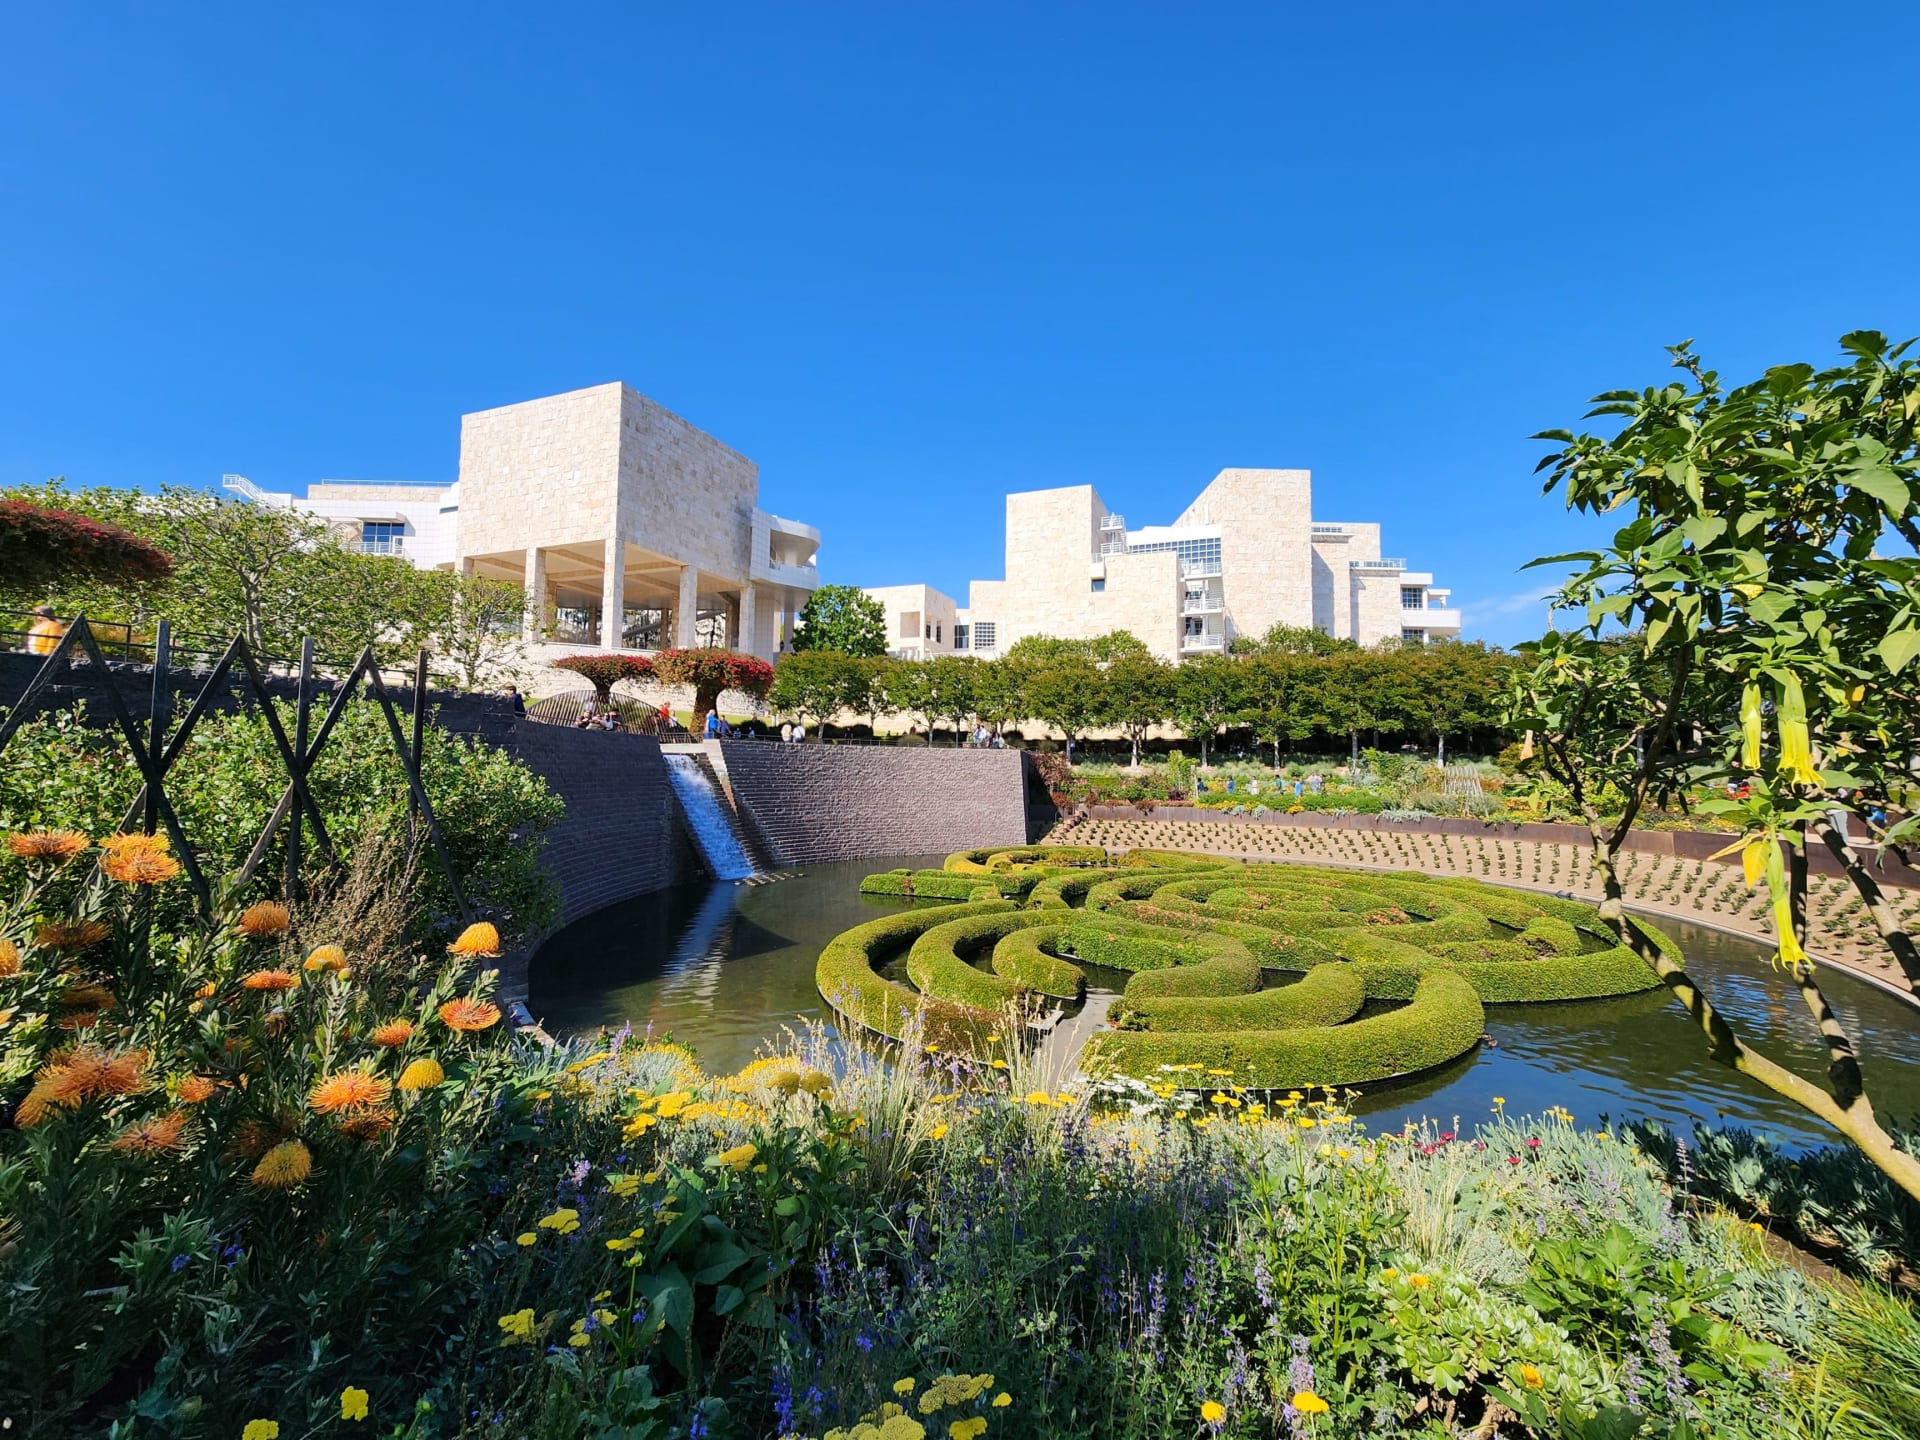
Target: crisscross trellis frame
{"type": "Point", "coordinates": [156, 746]}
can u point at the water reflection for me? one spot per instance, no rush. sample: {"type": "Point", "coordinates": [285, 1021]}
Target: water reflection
{"type": "Point", "coordinates": [726, 967]}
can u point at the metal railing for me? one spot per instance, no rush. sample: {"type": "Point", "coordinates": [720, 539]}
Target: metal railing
{"type": "Point", "coordinates": [1392, 563]}
{"type": "Point", "coordinates": [384, 545]}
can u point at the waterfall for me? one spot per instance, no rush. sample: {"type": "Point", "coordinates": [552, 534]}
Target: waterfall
{"type": "Point", "coordinates": [710, 817]}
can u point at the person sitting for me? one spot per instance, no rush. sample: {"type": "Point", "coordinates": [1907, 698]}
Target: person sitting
{"type": "Point", "coordinates": [610, 721]}
{"type": "Point", "coordinates": [786, 732]}
{"type": "Point", "coordinates": [589, 713]}
{"type": "Point", "coordinates": [46, 632]}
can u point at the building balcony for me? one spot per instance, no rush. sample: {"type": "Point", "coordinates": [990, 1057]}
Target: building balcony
{"type": "Point", "coordinates": [1432, 618]}
{"type": "Point", "coordinates": [1200, 644]}
{"type": "Point", "coordinates": [1202, 605]}
{"type": "Point", "coordinates": [386, 545]}
{"type": "Point", "coordinates": [1199, 569]}
{"type": "Point", "coordinates": [1391, 563]}
{"type": "Point", "coordinates": [794, 577]}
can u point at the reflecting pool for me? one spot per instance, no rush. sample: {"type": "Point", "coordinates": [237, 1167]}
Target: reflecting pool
{"type": "Point", "coordinates": [725, 968]}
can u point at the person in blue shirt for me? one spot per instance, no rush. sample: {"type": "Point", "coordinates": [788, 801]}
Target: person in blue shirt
{"type": "Point", "coordinates": [713, 724]}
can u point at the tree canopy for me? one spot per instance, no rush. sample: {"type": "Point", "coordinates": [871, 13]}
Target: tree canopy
{"type": "Point", "coordinates": [843, 618]}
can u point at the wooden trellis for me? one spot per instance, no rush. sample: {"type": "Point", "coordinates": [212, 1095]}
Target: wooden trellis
{"type": "Point", "coordinates": [156, 747]}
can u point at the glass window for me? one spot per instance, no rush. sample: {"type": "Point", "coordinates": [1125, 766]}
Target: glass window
{"type": "Point", "coordinates": [983, 636]}
{"type": "Point", "coordinates": [959, 637]}
{"type": "Point", "coordinates": [382, 537]}
{"type": "Point", "coordinates": [936, 632]}
{"type": "Point", "coordinates": [1414, 637]}
{"type": "Point", "coordinates": [1098, 586]}
{"type": "Point", "coordinates": [1197, 557]}
{"type": "Point", "coordinates": [1413, 597]}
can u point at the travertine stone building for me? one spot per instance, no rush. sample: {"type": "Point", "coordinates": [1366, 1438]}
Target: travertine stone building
{"type": "Point", "coordinates": [630, 528]}
{"type": "Point", "coordinates": [1244, 556]}
{"type": "Point", "coordinates": [920, 620]}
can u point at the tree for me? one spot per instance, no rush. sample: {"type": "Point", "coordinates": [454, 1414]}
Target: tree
{"type": "Point", "coordinates": [951, 683]}
{"type": "Point", "coordinates": [1273, 699]}
{"type": "Point", "coordinates": [1000, 692]}
{"type": "Point", "coordinates": [1062, 683]}
{"type": "Point", "coordinates": [41, 547]}
{"type": "Point", "coordinates": [843, 618]}
{"type": "Point", "coordinates": [603, 672]}
{"type": "Point", "coordinates": [710, 671]}
{"type": "Point", "coordinates": [1456, 688]}
{"type": "Point", "coordinates": [817, 684]}
{"type": "Point", "coordinates": [868, 689]}
{"type": "Point", "coordinates": [474, 624]}
{"type": "Point", "coordinates": [1203, 696]}
{"type": "Point", "coordinates": [1136, 693]}
{"type": "Point", "coordinates": [1291, 640]}
{"type": "Point", "coordinates": [1769, 642]}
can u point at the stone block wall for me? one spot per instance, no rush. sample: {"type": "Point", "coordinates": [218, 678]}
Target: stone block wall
{"type": "Point", "coordinates": [815, 803]}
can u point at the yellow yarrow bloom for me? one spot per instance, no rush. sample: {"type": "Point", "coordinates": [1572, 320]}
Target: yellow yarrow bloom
{"type": "Point", "coordinates": [526, 1237]}
{"type": "Point", "coordinates": [353, 1403]}
{"type": "Point", "coordinates": [736, 1159]}
{"type": "Point", "coordinates": [1002, 1400]}
{"type": "Point", "coordinates": [1308, 1403]}
{"type": "Point", "coordinates": [517, 1327]}
{"type": "Point", "coordinates": [904, 1386]}
{"type": "Point", "coordinates": [939, 1132]}
{"type": "Point", "coordinates": [261, 1430]}
{"type": "Point", "coordinates": [565, 1220]}
{"type": "Point", "coordinates": [1213, 1412]}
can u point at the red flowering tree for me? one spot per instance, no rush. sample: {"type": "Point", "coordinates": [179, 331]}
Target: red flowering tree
{"type": "Point", "coordinates": [40, 547]}
{"type": "Point", "coordinates": [604, 672]}
{"type": "Point", "coordinates": [710, 671]}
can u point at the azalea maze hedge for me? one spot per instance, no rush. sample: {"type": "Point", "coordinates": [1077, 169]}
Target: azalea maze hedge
{"type": "Point", "coordinates": [1286, 976]}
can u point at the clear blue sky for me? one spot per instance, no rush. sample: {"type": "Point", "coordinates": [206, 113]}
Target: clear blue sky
{"type": "Point", "coordinates": [911, 256]}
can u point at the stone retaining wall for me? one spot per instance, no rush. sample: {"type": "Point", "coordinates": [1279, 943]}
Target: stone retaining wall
{"type": "Point", "coordinates": [814, 803]}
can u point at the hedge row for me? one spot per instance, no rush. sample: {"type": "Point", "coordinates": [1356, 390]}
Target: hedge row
{"type": "Point", "coordinates": [845, 975]}
{"type": "Point", "coordinates": [1443, 1021]}
{"type": "Point", "coordinates": [937, 963]}
{"type": "Point", "coordinates": [1325, 995]}
{"type": "Point", "coordinates": [948, 885]}
{"type": "Point", "coordinates": [1026, 957]}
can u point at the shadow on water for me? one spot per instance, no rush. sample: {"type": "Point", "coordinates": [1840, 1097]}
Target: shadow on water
{"type": "Point", "coordinates": [726, 967]}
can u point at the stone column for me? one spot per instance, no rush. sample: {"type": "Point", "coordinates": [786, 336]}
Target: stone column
{"type": "Point", "coordinates": [613, 595]}
{"type": "Point", "coordinates": [466, 567]}
{"type": "Point", "coordinates": [536, 592]}
{"type": "Point", "coordinates": [688, 608]}
{"type": "Point", "coordinates": [748, 639]}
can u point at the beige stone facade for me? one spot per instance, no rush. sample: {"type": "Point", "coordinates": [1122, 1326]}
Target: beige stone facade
{"type": "Point", "coordinates": [630, 528]}
{"type": "Point", "coordinates": [919, 620]}
{"type": "Point", "coordinates": [1244, 556]}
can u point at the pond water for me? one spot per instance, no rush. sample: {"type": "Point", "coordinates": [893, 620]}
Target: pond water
{"type": "Point", "coordinates": [725, 968]}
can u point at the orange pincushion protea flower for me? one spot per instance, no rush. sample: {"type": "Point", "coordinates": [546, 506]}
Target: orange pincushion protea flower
{"type": "Point", "coordinates": [152, 1137]}
{"type": "Point", "coordinates": [9, 959]}
{"type": "Point", "coordinates": [70, 934]}
{"type": "Point", "coordinates": [284, 1166]}
{"type": "Point", "coordinates": [326, 957]}
{"type": "Point", "coordinates": [135, 844]}
{"type": "Point", "coordinates": [422, 1074]}
{"type": "Point", "coordinates": [478, 941]}
{"type": "Point", "coordinates": [469, 1014]}
{"type": "Point", "coordinates": [267, 920]}
{"type": "Point", "coordinates": [36, 1106]}
{"type": "Point", "coordinates": [90, 1072]}
{"type": "Point", "coordinates": [141, 867]}
{"type": "Point", "coordinates": [367, 1125]}
{"type": "Point", "coordinates": [348, 1090]}
{"type": "Point", "coordinates": [59, 846]}
{"type": "Point", "coordinates": [268, 980]}
{"type": "Point", "coordinates": [196, 1090]}
{"type": "Point", "coordinates": [392, 1034]}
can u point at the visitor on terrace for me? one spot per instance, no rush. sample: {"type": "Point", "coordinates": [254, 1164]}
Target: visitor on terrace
{"type": "Point", "coordinates": [517, 701]}
{"type": "Point", "coordinates": [713, 724]}
{"type": "Point", "coordinates": [44, 635]}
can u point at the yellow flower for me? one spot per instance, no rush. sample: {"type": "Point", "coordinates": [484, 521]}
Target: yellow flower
{"type": "Point", "coordinates": [565, 1220]}
{"type": "Point", "coordinates": [998, 1064]}
{"type": "Point", "coordinates": [326, 957]}
{"type": "Point", "coordinates": [261, 1430]}
{"type": "Point", "coordinates": [196, 1089]}
{"type": "Point", "coordinates": [422, 1074]}
{"type": "Point", "coordinates": [1531, 1374]}
{"type": "Point", "coordinates": [1419, 1282]}
{"type": "Point", "coordinates": [1213, 1412]}
{"type": "Point", "coordinates": [736, 1159]}
{"type": "Point", "coordinates": [284, 1166]}
{"type": "Point", "coordinates": [903, 1387]}
{"type": "Point", "coordinates": [1308, 1403]}
{"type": "Point", "coordinates": [968, 1429]}
{"type": "Point", "coordinates": [517, 1327]}
{"type": "Point", "coordinates": [353, 1403]}
{"type": "Point", "coordinates": [1388, 1273]}
{"type": "Point", "coordinates": [526, 1237]}
{"type": "Point", "coordinates": [1002, 1400]}
{"type": "Point", "coordinates": [479, 940]}
{"type": "Point", "coordinates": [939, 1132]}
{"type": "Point", "coordinates": [671, 1104]}
{"type": "Point", "coordinates": [9, 959]}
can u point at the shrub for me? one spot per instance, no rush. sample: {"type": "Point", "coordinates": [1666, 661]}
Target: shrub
{"type": "Point", "coordinates": [845, 977]}
{"type": "Point", "coordinates": [936, 965]}
{"type": "Point", "coordinates": [41, 547]}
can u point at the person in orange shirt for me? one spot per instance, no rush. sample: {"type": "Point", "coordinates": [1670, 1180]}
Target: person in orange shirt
{"type": "Point", "coordinates": [43, 638]}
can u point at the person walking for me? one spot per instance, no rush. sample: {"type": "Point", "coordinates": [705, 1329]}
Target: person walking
{"type": "Point", "coordinates": [799, 731]}
{"type": "Point", "coordinates": [517, 701]}
{"type": "Point", "coordinates": [786, 732]}
{"type": "Point", "coordinates": [44, 635]}
{"type": "Point", "coordinates": [713, 724]}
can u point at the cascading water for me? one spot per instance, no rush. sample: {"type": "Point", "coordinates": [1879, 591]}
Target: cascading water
{"type": "Point", "coordinates": [710, 818]}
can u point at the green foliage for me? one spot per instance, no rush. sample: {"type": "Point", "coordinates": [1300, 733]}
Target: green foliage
{"type": "Point", "coordinates": [42, 547]}
{"type": "Point", "coordinates": [710, 672]}
{"type": "Point", "coordinates": [603, 672]}
{"type": "Point", "coordinates": [842, 618]}
{"type": "Point", "coordinates": [61, 773]}
{"type": "Point", "coordinates": [845, 975]}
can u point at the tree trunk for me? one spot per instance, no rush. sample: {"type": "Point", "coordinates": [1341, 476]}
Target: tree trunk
{"type": "Point", "coordinates": [1354, 735]}
{"type": "Point", "coordinates": [1443, 750]}
{"type": "Point", "coordinates": [1885, 919]}
{"type": "Point", "coordinates": [1203, 749]}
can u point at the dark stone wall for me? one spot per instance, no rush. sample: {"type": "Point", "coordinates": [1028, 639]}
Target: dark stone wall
{"type": "Point", "coordinates": [813, 802]}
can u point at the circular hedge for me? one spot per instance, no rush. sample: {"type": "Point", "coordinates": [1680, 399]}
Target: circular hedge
{"type": "Point", "coordinates": [1281, 976]}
